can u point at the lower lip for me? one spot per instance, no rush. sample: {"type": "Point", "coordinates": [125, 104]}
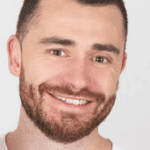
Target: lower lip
{"type": "Point", "coordinates": [60, 103]}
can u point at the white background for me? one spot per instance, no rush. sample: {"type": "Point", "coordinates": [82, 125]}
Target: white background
{"type": "Point", "coordinates": [129, 122]}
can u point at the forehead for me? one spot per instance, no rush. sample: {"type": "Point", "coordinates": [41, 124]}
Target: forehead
{"type": "Point", "coordinates": [69, 18]}
{"type": "Point", "coordinates": [60, 9]}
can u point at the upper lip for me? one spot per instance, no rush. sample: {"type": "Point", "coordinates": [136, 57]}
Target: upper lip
{"type": "Point", "coordinates": [71, 97]}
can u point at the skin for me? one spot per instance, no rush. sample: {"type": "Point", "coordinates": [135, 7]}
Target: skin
{"type": "Point", "coordinates": [76, 68]}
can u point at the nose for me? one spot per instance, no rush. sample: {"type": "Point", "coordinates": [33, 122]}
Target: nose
{"type": "Point", "coordinates": [77, 75]}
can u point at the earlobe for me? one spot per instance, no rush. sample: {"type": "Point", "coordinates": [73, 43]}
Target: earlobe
{"type": "Point", "coordinates": [14, 55]}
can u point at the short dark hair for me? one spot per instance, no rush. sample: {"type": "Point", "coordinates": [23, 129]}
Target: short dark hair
{"type": "Point", "coordinates": [28, 16]}
{"type": "Point", "coordinates": [31, 10]}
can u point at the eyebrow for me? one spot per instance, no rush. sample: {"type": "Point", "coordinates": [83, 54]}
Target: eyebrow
{"type": "Point", "coordinates": [106, 47]}
{"type": "Point", "coordinates": [67, 42]}
{"type": "Point", "coordinates": [57, 40]}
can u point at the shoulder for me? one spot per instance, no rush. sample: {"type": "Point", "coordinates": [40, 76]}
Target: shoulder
{"type": "Point", "coordinates": [3, 143]}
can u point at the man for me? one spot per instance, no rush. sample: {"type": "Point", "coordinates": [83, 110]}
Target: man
{"type": "Point", "coordinates": [68, 55]}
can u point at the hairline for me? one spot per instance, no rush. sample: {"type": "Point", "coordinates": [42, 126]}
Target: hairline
{"type": "Point", "coordinates": [35, 16]}
{"type": "Point", "coordinates": [31, 21]}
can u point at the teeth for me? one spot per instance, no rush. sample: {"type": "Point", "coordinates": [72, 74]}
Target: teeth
{"type": "Point", "coordinates": [82, 102]}
{"type": "Point", "coordinates": [61, 98]}
{"type": "Point", "coordinates": [69, 101]}
{"type": "Point", "coordinates": [75, 102]}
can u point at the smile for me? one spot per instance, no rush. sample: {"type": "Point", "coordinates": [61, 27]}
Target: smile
{"type": "Point", "coordinates": [72, 101]}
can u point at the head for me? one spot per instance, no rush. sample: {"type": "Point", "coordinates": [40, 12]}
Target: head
{"type": "Point", "coordinates": [73, 49]}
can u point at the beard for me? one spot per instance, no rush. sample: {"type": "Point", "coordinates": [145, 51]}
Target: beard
{"type": "Point", "coordinates": [71, 126]}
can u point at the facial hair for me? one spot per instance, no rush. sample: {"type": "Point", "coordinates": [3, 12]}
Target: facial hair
{"type": "Point", "coordinates": [70, 127]}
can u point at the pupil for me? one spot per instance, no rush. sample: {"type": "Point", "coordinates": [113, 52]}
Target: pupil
{"type": "Point", "coordinates": [57, 52]}
{"type": "Point", "coordinates": [99, 59]}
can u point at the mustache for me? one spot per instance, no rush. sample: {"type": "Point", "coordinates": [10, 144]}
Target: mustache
{"type": "Point", "coordinates": [65, 89]}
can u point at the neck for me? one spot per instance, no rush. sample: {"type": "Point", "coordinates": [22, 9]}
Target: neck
{"type": "Point", "coordinates": [27, 136]}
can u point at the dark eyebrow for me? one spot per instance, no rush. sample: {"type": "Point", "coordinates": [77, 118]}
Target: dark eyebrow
{"type": "Point", "coordinates": [57, 40]}
{"type": "Point", "coordinates": [106, 47]}
{"type": "Point", "coordinates": [68, 42]}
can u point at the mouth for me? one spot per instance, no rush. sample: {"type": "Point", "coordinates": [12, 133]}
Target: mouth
{"type": "Point", "coordinates": [77, 102]}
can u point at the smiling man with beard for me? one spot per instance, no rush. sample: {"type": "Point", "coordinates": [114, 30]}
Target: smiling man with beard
{"type": "Point", "coordinates": [68, 55]}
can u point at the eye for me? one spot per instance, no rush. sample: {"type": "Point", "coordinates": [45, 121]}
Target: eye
{"type": "Point", "coordinates": [101, 59]}
{"type": "Point", "coordinates": [57, 52]}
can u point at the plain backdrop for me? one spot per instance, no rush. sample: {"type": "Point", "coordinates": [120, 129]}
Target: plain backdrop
{"type": "Point", "coordinates": [129, 122]}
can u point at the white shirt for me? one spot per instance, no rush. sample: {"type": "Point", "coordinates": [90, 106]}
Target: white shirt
{"type": "Point", "coordinates": [3, 143]}
{"type": "Point", "coordinates": [4, 147]}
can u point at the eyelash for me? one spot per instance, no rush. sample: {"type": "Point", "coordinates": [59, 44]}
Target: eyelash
{"type": "Point", "coordinates": [103, 57]}
{"type": "Point", "coordinates": [100, 56]}
{"type": "Point", "coordinates": [56, 50]}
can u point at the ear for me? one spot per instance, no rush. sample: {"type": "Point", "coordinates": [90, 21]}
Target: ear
{"type": "Point", "coordinates": [14, 55]}
{"type": "Point", "coordinates": [124, 61]}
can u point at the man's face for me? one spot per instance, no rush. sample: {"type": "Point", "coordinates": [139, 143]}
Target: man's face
{"type": "Point", "coordinates": [63, 58]}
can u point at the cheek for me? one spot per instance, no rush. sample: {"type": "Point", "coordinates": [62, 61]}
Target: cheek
{"type": "Point", "coordinates": [41, 69]}
{"type": "Point", "coordinates": [106, 80]}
